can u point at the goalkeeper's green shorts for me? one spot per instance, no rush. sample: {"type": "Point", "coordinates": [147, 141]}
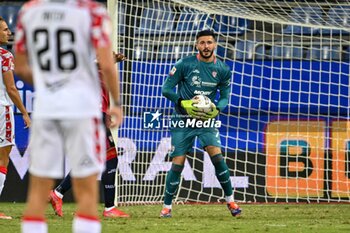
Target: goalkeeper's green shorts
{"type": "Point", "coordinates": [182, 139]}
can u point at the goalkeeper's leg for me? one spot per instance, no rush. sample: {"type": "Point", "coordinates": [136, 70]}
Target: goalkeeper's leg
{"type": "Point", "coordinates": [172, 184]}
{"type": "Point", "coordinates": [223, 174]}
{"type": "Point", "coordinates": [182, 141]}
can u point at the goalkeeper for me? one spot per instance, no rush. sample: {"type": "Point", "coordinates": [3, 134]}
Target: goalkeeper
{"type": "Point", "coordinates": [198, 74]}
{"type": "Point", "coordinates": [108, 176]}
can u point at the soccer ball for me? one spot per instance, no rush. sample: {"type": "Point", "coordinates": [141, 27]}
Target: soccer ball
{"type": "Point", "coordinates": [203, 103]}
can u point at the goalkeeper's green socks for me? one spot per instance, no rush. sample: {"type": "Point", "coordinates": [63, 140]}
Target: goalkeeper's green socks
{"type": "Point", "coordinates": [172, 182]}
{"type": "Point", "coordinates": [222, 173]}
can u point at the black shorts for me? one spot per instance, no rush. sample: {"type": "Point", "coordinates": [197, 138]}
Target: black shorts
{"type": "Point", "coordinates": [109, 138]}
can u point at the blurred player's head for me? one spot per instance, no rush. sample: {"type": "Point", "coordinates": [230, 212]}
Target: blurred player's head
{"type": "Point", "coordinates": [5, 32]}
{"type": "Point", "coordinates": [206, 44]}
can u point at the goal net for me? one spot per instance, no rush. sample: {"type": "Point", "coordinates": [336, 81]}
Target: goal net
{"type": "Point", "coordinates": [285, 134]}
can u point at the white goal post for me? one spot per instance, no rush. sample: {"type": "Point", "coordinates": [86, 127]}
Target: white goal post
{"type": "Point", "coordinates": [285, 132]}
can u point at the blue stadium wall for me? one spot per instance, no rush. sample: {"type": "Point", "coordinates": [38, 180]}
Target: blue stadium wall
{"type": "Point", "coordinates": [263, 91]}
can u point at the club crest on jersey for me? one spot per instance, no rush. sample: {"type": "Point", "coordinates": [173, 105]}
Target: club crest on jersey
{"type": "Point", "coordinates": [214, 73]}
{"type": "Point", "coordinates": [172, 71]}
{"type": "Point", "coordinates": [196, 81]}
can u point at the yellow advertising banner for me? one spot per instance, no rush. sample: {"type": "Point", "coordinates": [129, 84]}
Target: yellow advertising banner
{"type": "Point", "coordinates": [295, 154]}
{"type": "Point", "coordinates": [340, 145]}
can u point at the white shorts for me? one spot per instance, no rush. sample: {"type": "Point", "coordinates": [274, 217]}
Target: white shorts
{"type": "Point", "coordinates": [7, 126]}
{"type": "Point", "coordinates": [82, 141]}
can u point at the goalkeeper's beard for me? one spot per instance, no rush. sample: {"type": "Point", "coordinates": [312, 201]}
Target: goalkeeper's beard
{"type": "Point", "coordinates": [206, 56]}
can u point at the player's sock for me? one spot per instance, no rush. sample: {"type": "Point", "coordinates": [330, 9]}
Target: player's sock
{"type": "Point", "coordinates": [172, 182]}
{"type": "Point", "coordinates": [34, 225]}
{"type": "Point", "coordinates": [222, 173]}
{"type": "Point", "coordinates": [65, 185]}
{"type": "Point", "coordinates": [58, 194]}
{"type": "Point", "coordinates": [108, 180]}
{"type": "Point", "coordinates": [109, 208]}
{"type": "Point", "coordinates": [83, 223]}
{"type": "Point", "coordinates": [229, 199]}
{"type": "Point", "coordinates": [3, 172]}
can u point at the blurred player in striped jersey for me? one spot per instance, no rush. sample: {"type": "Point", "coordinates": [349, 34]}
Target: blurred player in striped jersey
{"type": "Point", "coordinates": [108, 176]}
{"type": "Point", "coordinates": [8, 96]}
{"type": "Point", "coordinates": [56, 44]}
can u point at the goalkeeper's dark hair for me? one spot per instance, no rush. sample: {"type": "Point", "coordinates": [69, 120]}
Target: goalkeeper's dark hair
{"type": "Point", "coordinates": [206, 33]}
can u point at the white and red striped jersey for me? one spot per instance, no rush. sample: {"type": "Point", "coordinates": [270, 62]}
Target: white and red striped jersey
{"type": "Point", "coordinates": [61, 38]}
{"type": "Point", "coordinates": [6, 64]}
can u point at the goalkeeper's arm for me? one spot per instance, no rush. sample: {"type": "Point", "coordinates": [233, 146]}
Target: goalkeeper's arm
{"type": "Point", "coordinates": [184, 106]}
{"type": "Point", "coordinates": [168, 90]}
{"type": "Point", "coordinates": [223, 100]}
{"type": "Point", "coordinates": [170, 83]}
{"type": "Point", "coordinates": [175, 76]}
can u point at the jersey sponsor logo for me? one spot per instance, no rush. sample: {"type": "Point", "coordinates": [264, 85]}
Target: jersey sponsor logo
{"type": "Point", "coordinates": [172, 71]}
{"type": "Point", "coordinates": [197, 92]}
{"type": "Point", "coordinates": [196, 81]}
{"type": "Point", "coordinates": [209, 84]}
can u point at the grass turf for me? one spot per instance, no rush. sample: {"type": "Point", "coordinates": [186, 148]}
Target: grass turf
{"type": "Point", "coordinates": [204, 218]}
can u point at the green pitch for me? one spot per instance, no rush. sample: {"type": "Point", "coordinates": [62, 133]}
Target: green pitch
{"type": "Point", "coordinates": [205, 218]}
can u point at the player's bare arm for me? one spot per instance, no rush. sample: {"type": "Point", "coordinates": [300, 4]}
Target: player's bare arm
{"type": "Point", "coordinates": [111, 78]}
{"type": "Point", "coordinates": [14, 95]}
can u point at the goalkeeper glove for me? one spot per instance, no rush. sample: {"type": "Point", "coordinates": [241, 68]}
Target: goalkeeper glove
{"type": "Point", "coordinates": [191, 110]}
{"type": "Point", "coordinates": [212, 114]}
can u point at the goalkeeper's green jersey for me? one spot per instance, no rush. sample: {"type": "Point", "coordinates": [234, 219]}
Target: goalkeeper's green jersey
{"type": "Point", "coordinates": [194, 77]}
